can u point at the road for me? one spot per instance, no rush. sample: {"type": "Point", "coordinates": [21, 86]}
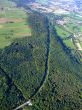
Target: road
{"type": "Point", "coordinates": [25, 104]}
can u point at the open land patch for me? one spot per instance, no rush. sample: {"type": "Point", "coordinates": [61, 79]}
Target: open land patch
{"type": "Point", "coordinates": [1, 26]}
{"type": "Point", "coordinates": [13, 23]}
{"type": "Point", "coordinates": [11, 20]}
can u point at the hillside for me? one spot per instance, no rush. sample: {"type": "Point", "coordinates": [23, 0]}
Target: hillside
{"type": "Point", "coordinates": [23, 61]}
{"type": "Point", "coordinates": [37, 65]}
{"type": "Point", "coordinates": [62, 88]}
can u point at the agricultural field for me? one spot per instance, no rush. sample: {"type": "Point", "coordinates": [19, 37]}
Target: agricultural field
{"type": "Point", "coordinates": [69, 28]}
{"type": "Point", "coordinates": [65, 36]}
{"type": "Point", "coordinates": [22, 56]}
{"type": "Point", "coordinates": [13, 23]}
{"type": "Point", "coordinates": [40, 58]}
{"type": "Point", "coordinates": [61, 32]}
{"type": "Point", "coordinates": [81, 43]}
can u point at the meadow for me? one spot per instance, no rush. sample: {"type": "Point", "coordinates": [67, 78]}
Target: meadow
{"type": "Point", "coordinates": [73, 26]}
{"type": "Point", "coordinates": [13, 23]}
{"type": "Point", "coordinates": [40, 67]}
{"type": "Point", "coordinates": [65, 36]}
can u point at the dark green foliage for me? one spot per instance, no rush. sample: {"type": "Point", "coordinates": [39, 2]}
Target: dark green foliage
{"type": "Point", "coordinates": [10, 96]}
{"type": "Point", "coordinates": [62, 89]}
{"type": "Point", "coordinates": [24, 59]}
{"type": "Point", "coordinates": [23, 65]}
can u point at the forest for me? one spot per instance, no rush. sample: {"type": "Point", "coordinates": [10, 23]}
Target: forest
{"type": "Point", "coordinates": [62, 89]}
{"type": "Point", "coordinates": [24, 61]}
{"type": "Point", "coordinates": [41, 68]}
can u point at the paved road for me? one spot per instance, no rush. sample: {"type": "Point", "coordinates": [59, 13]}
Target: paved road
{"type": "Point", "coordinates": [26, 103]}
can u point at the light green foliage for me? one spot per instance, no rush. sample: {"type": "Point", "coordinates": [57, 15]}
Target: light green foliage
{"type": "Point", "coordinates": [62, 32]}
{"type": "Point", "coordinates": [64, 35]}
{"type": "Point", "coordinates": [13, 23]}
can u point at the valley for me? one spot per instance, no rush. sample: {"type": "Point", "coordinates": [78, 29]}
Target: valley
{"type": "Point", "coordinates": [40, 56]}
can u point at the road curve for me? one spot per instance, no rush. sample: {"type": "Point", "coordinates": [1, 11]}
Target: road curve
{"type": "Point", "coordinates": [45, 72]}
{"type": "Point", "coordinates": [26, 103]}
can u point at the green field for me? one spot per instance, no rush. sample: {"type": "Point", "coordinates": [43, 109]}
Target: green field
{"type": "Point", "coordinates": [81, 43]}
{"type": "Point", "coordinates": [64, 35]}
{"type": "Point", "coordinates": [13, 23]}
{"type": "Point", "coordinates": [36, 64]}
{"type": "Point", "coordinates": [72, 26]}
{"type": "Point", "coordinates": [61, 32]}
